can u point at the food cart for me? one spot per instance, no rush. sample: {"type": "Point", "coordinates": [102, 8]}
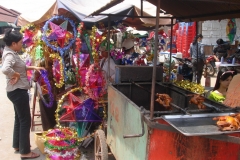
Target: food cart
{"type": "Point", "coordinates": [185, 132]}
{"type": "Point", "coordinates": [138, 128]}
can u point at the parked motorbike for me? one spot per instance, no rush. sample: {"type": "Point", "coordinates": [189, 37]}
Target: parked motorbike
{"type": "Point", "coordinates": [185, 68]}
{"type": "Point", "coordinates": [210, 66]}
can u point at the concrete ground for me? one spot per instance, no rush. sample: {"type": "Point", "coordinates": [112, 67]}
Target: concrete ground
{"type": "Point", "coordinates": [6, 131]}
{"type": "Point", "coordinates": [6, 125]}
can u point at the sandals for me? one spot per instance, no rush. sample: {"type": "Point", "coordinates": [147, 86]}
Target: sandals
{"type": "Point", "coordinates": [33, 155]}
{"type": "Point", "coordinates": [16, 150]}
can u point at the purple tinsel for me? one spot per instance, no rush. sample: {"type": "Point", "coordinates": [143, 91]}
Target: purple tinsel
{"type": "Point", "coordinates": [44, 75]}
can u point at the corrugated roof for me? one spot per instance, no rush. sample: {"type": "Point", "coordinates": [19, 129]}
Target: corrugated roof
{"type": "Point", "coordinates": [7, 15]}
{"type": "Point", "coordinates": [200, 10]}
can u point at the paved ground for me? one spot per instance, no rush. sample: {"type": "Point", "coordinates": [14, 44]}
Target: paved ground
{"type": "Point", "coordinates": [6, 129]}
{"type": "Point", "coordinates": [6, 125]}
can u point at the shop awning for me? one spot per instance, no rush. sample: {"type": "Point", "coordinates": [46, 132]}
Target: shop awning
{"type": "Point", "coordinates": [200, 10]}
{"type": "Point", "coordinates": [40, 13]}
{"type": "Point", "coordinates": [6, 24]}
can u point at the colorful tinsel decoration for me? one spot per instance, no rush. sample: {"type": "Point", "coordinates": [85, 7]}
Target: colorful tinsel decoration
{"type": "Point", "coordinates": [58, 69]}
{"type": "Point", "coordinates": [60, 102]}
{"type": "Point", "coordinates": [44, 79]}
{"type": "Point", "coordinates": [61, 144]}
{"type": "Point", "coordinates": [95, 82]}
{"type": "Point", "coordinates": [96, 39]}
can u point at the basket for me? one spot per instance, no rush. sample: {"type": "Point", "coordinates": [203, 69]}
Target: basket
{"type": "Point", "coordinates": [39, 142]}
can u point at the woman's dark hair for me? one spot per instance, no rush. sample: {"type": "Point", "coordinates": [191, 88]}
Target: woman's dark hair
{"type": "Point", "coordinates": [196, 38]}
{"type": "Point", "coordinates": [220, 41]}
{"type": "Point", "coordinates": [12, 36]}
{"type": "Point", "coordinates": [223, 74]}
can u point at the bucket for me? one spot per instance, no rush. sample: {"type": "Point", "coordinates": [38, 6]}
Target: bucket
{"type": "Point", "coordinates": [179, 55]}
{"type": "Point", "coordinates": [39, 141]}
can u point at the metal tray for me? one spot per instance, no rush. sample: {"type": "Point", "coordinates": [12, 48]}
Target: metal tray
{"type": "Point", "coordinates": [196, 124]}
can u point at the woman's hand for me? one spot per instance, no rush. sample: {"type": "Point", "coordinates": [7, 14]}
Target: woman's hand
{"type": "Point", "coordinates": [14, 78]}
{"type": "Point", "coordinates": [39, 68]}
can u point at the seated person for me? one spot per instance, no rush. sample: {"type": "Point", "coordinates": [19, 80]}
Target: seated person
{"type": "Point", "coordinates": [223, 80]}
{"type": "Point", "coordinates": [221, 50]}
{"type": "Point", "coordinates": [104, 66]}
{"type": "Point", "coordinates": [129, 53]}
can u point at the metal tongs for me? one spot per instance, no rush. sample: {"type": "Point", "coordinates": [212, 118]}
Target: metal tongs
{"type": "Point", "coordinates": [175, 106]}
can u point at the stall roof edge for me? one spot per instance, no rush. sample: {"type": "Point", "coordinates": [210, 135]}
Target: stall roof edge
{"type": "Point", "coordinates": [200, 10]}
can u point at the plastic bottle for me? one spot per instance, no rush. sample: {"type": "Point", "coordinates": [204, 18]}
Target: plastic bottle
{"type": "Point", "coordinates": [233, 60]}
{"type": "Point", "coordinates": [222, 59]}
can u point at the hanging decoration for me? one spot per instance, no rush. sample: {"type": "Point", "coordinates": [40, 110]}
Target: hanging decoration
{"type": "Point", "coordinates": [117, 54]}
{"type": "Point", "coordinates": [58, 71]}
{"type": "Point", "coordinates": [80, 111]}
{"type": "Point", "coordinates": [29, 72]}
{"type": "Point", "coordinates": [32, 43]}
{"type": "Point", "coordinates": [231, 29]}
{"type": "Point", "coordinates": [95, 82]}
{"type": "Point", "coordinates": [77, 50]}
{"type": "Point", "coordinates": [59, 34]}
{"type": "Point", "coordinates": [140, 61]}
{"type": "Point", "coordinates": [38, 52]}
{"type": "Point", "coordinates": [78, 42]}
{"type": "Point", "coordinates": [43, 81]}
{"type": "Point", "coordinates": [82, 63]}
{"type": "Point", "coordinates": [28, 32]}
{"type": "Point", "coordinates": [60, 102]}
{"type": "Point", "coordinates": [95, 39]}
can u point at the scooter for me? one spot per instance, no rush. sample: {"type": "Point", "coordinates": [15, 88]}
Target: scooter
{"type": "Point", "coordinates": [185, 68]}
{"type": "Point", "coordinates": [210, 66]}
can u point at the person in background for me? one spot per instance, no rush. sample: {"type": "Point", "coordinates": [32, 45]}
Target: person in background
{"type": "Point", "coordinates": [1, 50]}
{"type": "Point", "coordinates": [224, 77]}
{"type": "Point", "coordinates": [130, 54]}
{"type": "Point", "coordinates": [198, 58]}
{"type": "Point", "coordinates": [15, 70]}
{"type": "Point", "coordinates": [221, 50]}
{"type": "Point", "coordinates": [104, 65]}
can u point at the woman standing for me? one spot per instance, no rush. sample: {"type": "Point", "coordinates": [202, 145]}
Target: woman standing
{"type": "Point", "coordinates": [223, 80]}
{"type": "Point", "coordinates": [198, 58]}
{"type": "Point", "coordinates": [15, 70]}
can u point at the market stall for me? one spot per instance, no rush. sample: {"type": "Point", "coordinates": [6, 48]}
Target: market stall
{"type": "Point", "coordinates": [146, 118]}
{"type": "Point", "coordinates": [162, 121]}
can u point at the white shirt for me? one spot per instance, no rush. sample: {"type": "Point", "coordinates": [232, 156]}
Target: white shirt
{"type": "Point", "coordinates": [112, 68]}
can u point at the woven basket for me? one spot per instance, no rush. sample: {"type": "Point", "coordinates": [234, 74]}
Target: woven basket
{"type": "Point", "coordinates": [39, 142]}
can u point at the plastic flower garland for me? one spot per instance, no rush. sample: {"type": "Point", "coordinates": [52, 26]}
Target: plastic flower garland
{"type": "Point", "coordinates": [59, 48]}
{"type": "Point", "coordinates": [95, 82]}
{"type": "Point", "coordinates": [44, 77]}
{"type": "Point", "coordinates": [58, 71]}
